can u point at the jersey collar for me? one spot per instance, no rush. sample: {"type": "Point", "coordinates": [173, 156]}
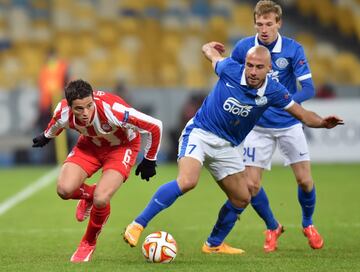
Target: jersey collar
{"type": "Point", "coordinates": [278, 46]}
{"type": "Point", "coordinates": [261, 91]}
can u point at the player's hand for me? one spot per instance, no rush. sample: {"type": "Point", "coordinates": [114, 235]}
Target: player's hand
{"type": "Point", "coordinates": [212, 48]}
{"type": "Point", "coordinates": [40, 140]}
{"type": "Point", "coordinates": [332, 121]}
{"type": "Point", "coordinates": [146, 168]}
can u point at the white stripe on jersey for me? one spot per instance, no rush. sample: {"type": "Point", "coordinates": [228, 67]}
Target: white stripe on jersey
{"type": "Point", "coordinates": [301, 78]}
{"type": "Point", "coordinates": [143, 117]}
{"type": "Point", "coordinates": [61, 123]}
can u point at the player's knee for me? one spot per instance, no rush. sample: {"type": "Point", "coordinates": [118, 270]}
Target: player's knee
{"type": "Point", "coordinates": [254, 186]}
{"type": "Point", "coordinates": [186, 184]}
{"type": "Point", "coordinates": [305, 183]}
{"type": "Point", "coordinates": [63, 191]}
{"type": "Point", "coordinates": [101, 200]}
{"type": "Point", "coordinates": [241, 202]}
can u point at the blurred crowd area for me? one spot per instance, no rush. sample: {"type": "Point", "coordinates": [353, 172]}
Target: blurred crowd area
{"type": "Point", "coordinates": [157, 43]}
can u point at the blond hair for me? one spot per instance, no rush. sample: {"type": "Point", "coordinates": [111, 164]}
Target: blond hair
{"type": "Point", "coordinates": [267, 6]}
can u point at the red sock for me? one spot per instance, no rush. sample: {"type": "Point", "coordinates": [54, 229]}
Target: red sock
{"type": "Point", "coordinates": [98, 218]}
{"type": "Point", "coordinates": [84, 192]}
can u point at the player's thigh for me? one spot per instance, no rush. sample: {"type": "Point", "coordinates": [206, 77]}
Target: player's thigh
{"type": "Point", "coordinates": [259, 146]}
{"type": "Point", "coordinates": [189, 173]}
{"type": "Point", "coordinates": [293, 145]}
{"type": "Point", "coordinates": [71, 177]}
{"type": "Point", "coordinates": [236, 188]}
{"type": "Point", "coordinates": [254, 175]}
{"type": "Point", "coordinates": [302, 172]}
{"type": "Point", "coordinates": [109, 182]}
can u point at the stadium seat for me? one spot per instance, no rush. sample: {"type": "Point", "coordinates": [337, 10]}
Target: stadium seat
{"type": "Point", "coordinates": [305, 7]}
{"type": "Point", "coordinates": [243, 20]}
{"type": "Point", "coordinates": [325, 11]}
{"type": "Point", "coordinates": [346, 67]}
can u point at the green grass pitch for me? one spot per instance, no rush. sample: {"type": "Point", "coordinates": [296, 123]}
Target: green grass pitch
{"type": "Point", "coordinates": [41, 233]}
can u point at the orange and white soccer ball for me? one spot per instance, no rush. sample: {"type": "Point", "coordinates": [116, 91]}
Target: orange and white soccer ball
{"type": "Point", "coordinates": [159, 247]}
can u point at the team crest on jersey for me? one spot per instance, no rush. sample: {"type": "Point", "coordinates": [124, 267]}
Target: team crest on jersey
{"type": "Point", "coordinates": [282, 63]}
{"type": "Point", "coordinates": [261, 101]}
{"type": "Point", "coordinates": [106, 127]}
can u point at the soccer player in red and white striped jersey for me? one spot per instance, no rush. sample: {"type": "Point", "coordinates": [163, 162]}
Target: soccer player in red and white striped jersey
{"type": "Point", "coordinates": [109, 139]}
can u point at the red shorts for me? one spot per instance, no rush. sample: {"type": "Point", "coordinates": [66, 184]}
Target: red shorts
{"type": "Point", "coordinates": [91, 157]}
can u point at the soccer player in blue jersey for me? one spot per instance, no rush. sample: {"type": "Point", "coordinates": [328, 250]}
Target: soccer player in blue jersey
{"type": "Point", "coordinates": [276, 127]}
{"type": "Point", "coordinates": [214, 138]}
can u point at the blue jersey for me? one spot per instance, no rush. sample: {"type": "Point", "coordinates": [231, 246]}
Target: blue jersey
{"type": "Point", "coordinates": [288, 65]}
{"type": "Point", "coordinates": [232, 108]}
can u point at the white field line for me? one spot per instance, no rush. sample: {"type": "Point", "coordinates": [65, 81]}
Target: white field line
{"type": "Point", "coordinates": [28, 191]}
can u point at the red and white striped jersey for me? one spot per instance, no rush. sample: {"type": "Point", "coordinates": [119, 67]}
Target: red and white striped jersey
{"type": "Point", "coordinates": [114, 123]}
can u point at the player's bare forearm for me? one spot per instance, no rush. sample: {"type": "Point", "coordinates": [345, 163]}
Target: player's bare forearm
{"type": "Point", "coordinates": [311, 119]}
{"type": "Point", "coordinates": [213, 51]}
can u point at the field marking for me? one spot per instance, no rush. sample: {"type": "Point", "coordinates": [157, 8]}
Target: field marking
{"type": "Point", "coordinates": [28, 191]}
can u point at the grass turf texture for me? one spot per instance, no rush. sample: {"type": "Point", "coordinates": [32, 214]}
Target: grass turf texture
{"type": "Point", "coordinates": [41, 233]}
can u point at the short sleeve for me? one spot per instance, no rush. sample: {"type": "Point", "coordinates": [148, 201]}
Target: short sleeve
{"type": "Point", "coordinates": [282, 98]}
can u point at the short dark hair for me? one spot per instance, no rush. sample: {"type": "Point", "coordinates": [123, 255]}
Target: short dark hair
{"type": "Point", "coordinates": [77, 89]}
{"type": "Point", "coordinates": [267, 6]}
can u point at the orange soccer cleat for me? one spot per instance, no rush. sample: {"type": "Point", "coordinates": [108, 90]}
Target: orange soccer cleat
{"type": "Point", "coordinates": [83, 253]}
{"type": "Point", "coordinates": [271, 237]}
{"type": "Point", "coordinates": [132, 233]}
{"type": "Point", "coordinates": [221, 249]}
{"type": "Point", "coordinates": [83, 209]}
{"type": "Point", "coordinates": [315, 239]}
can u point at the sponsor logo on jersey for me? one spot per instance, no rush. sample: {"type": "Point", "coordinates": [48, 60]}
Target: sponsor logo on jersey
{"type": "Point", "coordinates": [274, 75]}
{"type": "Point", "coordinates": [282, 63]}
{"type": "Point", "coordinates": [235, 107]}
{"type": "Point", "coordinates": [106, 127]}
{"type": "Point", "coordinates": [261, 101]}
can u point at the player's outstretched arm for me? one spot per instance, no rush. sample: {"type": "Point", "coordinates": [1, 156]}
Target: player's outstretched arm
{"type": "Point", "coordinates": [213, 51]}
{"type": "Point", "coordinates": [311, 119]}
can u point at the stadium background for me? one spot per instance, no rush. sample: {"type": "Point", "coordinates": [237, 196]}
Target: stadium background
{"type": "Point", "coordinates": [149, 51]}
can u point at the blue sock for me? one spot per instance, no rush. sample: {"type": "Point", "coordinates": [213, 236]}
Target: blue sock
{"type": "Point", "coordinates": [307, 202]}
{"type": "Point", "coordinates": [163, 198]}
{"type": "Point", "coordinates": [261, 205]}
{"type": "Point", "coordinates": [226, 220]}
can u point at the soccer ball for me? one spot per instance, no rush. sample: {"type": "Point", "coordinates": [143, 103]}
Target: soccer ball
{"type": "Point", "coordinates": [159, 247]}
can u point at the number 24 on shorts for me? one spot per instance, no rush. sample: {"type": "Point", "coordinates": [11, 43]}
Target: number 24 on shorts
{"type": "Point", "coordinates": [249, 153]}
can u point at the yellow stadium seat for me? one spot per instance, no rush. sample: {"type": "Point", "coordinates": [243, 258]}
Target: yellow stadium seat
{"type": "Point", "coordinates": [217, 29]}
{"type": "Point", "coordinates": [346, 67]}
{"type": "Point", "coordinates": [243, 19]}
{"type": "Point", "coordinates": [306, 39]}
{"type": "Point", "coordinates": [344, 20]}
{"type": "Point", "coordinates": [325, 11]}
{"type": "Point", "coordinates": [306, 7]}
